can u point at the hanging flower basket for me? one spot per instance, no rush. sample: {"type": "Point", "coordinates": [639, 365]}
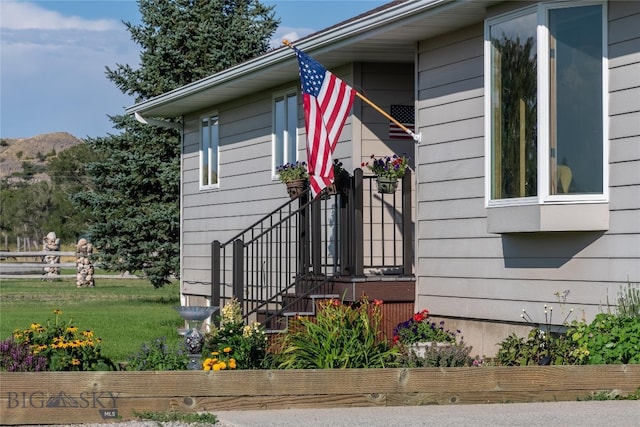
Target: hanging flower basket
{"type": "Point", "coordinates": [296, 187]}
{"type": "Point", "coordinates": [387, 185]}
{"type": "Point", "coordinates": [339, 186]}
{"type": "Point", "coordinates": [388, 170]}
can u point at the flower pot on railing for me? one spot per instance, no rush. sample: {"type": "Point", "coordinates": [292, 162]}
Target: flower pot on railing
{"type": "Point", "coordinates": [388, 170]}
{"type": "Point", "coordinates": [387, 185]}
{"type": "Point", "coordinates": [296, 187]}
{"type": "Point", "coordinates": [339, 186]}
{"type": "Point", "coordinates": [294, 176]}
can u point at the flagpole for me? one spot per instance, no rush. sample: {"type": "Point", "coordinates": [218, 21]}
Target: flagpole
{"type": "Point", "coordinates": [388, 116]}
{"type": "Point", "coordinates": [416, 137]}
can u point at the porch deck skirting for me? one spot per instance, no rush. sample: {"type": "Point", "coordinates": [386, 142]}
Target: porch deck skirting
{"type": "Point", "coordinates": [91, 397]}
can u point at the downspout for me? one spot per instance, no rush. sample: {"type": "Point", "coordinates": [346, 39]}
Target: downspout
{"type": "Point", "coordinates": [178, 126]}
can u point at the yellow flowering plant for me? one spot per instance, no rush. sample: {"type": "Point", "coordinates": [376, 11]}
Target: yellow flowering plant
{"type": "Point", "coordinates": [65, 346]}
{"type": "Point", "coordinates": [220, 360]}
{"type": "Point", "coordinates": [232, 340]}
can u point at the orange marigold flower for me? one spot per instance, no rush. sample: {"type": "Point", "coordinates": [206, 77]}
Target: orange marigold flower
{"type": "Point", "coordinates": [227, 350]}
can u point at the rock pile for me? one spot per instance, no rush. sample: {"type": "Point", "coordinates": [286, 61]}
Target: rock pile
{"type": "Point", "coordinates": [84, 275]}
{"type": "Point", "coordinates": [51, 243]}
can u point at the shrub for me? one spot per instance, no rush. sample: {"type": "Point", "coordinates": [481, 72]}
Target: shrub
{"type": "Point", "coordinates": [608, 339]}
{"type": "Point", "coordinates": [247, 343]}
{"type": "Point", "coordinates": [65, 346]}
{"type": "Point", "coordinates": [17, 357]}
{"type": "Point", "coordinates": [341, 336]}
{"type": "Point", "coordinates": [158, 356]}
{"type": "Point", "coordinates": [454, 355]}
{"type": "Point", "coordinates": [539, 348]}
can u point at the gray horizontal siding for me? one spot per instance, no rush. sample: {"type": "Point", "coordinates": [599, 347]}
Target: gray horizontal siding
{"type": "Point", "coordinates": [465, 272]}
{"type": "Point", "coordinates": [605, 270]}
{"type": "Point", "coordinates": [246, 189]}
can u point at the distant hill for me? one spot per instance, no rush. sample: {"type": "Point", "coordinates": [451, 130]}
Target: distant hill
{"type": "Point", "coordinates": [36, 150]}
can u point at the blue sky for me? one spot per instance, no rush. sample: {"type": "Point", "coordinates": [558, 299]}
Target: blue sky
{"type": "Point", "coordinates": [53, 56]}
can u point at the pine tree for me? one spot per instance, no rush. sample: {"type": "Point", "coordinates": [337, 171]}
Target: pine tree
{"type": "Point", "coordinates": [136, 186]}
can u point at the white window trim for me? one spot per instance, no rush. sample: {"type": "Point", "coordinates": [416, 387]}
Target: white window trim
{"type": "Point", "coordinates": [283, 93]}
{"type": "Point", "coordinates": [204, 186]}
{"type": "Point", "coordinates": [543, 196]}
{"type": "Point", "coordinates": [545, 212]}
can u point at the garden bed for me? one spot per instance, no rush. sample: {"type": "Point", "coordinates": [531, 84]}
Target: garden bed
{"type": "Point", "coordinates": [89, 397]}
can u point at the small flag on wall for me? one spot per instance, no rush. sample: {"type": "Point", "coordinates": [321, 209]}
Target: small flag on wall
{"type": "Point", "coordinates": [405, 114]}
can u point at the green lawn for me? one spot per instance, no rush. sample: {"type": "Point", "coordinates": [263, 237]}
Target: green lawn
{"type": "Point", "coordinates": [124, 313]}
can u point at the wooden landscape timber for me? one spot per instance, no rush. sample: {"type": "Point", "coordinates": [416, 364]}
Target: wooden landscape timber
{"type": "Point", "coordinates": [90, 397]}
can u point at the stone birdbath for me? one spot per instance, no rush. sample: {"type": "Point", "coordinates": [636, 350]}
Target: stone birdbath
{"type": "Point", "coordinates": [193, 336]}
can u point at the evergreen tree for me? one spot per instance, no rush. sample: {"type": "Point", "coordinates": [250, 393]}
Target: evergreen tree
{"type": "Point", "coordinates": [136, 185]}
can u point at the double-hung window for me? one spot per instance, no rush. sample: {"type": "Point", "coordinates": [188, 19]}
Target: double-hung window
{"type": "Point", "coordinates": [545, 102]}
{"type": "Point", "coordinates": [209, 145]}
{"type": "Point", "coordinates": [285, 128]}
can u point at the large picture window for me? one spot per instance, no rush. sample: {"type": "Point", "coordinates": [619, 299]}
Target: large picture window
{"type": "Point", "coordinates": [209, 144]}
{"type": "Point", "coordinates": [285, 128]}
{"type": "Point", "coordinates": [545, 87]}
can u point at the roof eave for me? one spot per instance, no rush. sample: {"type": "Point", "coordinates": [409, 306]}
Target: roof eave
{"type": "Point", "coordinates": [281, 58]}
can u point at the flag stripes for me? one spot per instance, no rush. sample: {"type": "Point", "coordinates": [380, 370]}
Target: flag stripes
{"type": "Point", "coordinates": [327, 101]}
{"type": "Point", "coordinates": [404, 114]}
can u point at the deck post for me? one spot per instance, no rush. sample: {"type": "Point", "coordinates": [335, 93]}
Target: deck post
{"type": "Point", "coordinates": [344, 203]}
{"type": "Point", "coordinates": [316, 237]}
{"type": "Point", "coordinates": [358, 226]}
{"type": "Point", "coordinates": [407, 237]}
{"type": "Point", "coordinates": [215, 273]}
{"type": "Point", "coordinates": [304, 246]}
{"type": "Point", "coordinates": [238, 271]}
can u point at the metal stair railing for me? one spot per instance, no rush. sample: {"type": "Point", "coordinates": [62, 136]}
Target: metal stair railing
{"type": "Point", "coordinates": [263, 263]}
{"type": "Point", "coordinates": [295, 250]}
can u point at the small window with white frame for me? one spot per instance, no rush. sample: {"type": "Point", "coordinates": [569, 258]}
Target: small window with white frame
{"type": "Point", "coordinates": [545, 98]}
{"type": "Point", "coordinates": [209, 150]}
{"type": "Point", "coordinates": [285, 129]}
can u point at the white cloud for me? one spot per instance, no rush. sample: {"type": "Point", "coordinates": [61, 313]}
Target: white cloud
{"type": "Point", "coordinates": [53, 73]}
{"type": "Point", "coordinates": [289, 33]}
{"type": "Point", "coordinates": [28, 16]}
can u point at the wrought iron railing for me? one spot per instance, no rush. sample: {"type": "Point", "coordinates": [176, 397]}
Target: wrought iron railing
{"type": "Point", "coordinates": [297, 249]}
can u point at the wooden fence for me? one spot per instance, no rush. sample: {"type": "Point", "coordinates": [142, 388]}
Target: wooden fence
{"type": "Point", "coordinates": [93, 397]}
{"type": "Point", "coordinates": [32, 262]}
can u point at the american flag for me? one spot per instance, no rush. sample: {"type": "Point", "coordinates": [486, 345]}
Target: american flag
{"type": "Point", "coordinates": [405, 114]}
{"type": "Point", "coordinates": [327, 101]}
